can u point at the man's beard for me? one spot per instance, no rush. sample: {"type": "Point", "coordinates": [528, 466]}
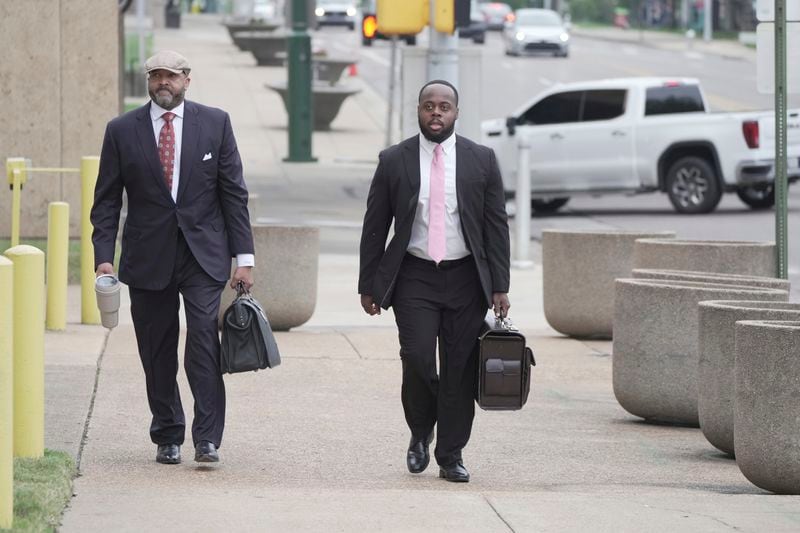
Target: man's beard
{"type": "Point", "coordinates": [167, 100]}
{"type": "Point", "coordinates": [433, 137]}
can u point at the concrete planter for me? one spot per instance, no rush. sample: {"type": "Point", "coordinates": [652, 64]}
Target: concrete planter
{"type": "Point", "coordinates": [269, 48]}
{"type": "Point", "coordinates": [579, 269]}
{"type": "Point", "coordinates": [711, 277]}
{"type": "Point", "coordinates": [329, 70]}
{"type": "Point", "coordinates": [287, 258]}
{"type": "Point", "coordinates": [766, 424]}
{"type": "Point", "coordinates": [728, 257]}
{"type": "Point", "coordinates": [247, 41]}
{"type": "Point", "coordinates": [246, 26]}
{"type": "Point", "coordinates": [717, 356]}
{"type": "Point", "coordinates": [654, 364]}
{"type": "Point", "coordinates": [326, 101]}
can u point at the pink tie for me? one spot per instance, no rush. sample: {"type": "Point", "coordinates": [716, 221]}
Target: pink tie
{"type": "Point", "coordinates": [436, 236]}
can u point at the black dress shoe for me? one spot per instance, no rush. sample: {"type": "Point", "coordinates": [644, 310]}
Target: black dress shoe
{"type": "Point", "coordinates": [454, 472]}
{"type": "Point", "coordinates": [418, 455]}
{"type": "Point", "coordinates": [206, 452]}
{"type": "Point", "coordinates": [168, 454]}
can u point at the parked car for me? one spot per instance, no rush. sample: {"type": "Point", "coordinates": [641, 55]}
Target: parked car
{"type": "Point", "coordinates": [496, 14]}
{"type": "Point", "coordinates": [477, 26]}
{"type": "Point", "coordinates": [336, 13]}
{"type": "Point", "coordinates": [637, 135]}
{"type": "Point", "coordinates": [536, 31]}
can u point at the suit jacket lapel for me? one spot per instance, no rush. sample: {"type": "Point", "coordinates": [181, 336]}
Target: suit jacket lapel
{"type": "Point", "coordinates": [147, 141]}
{"type": "Point", "coordinates": [463, 159]}
{"type": "Point", "coordinates": [189, 142]}
{"type": "Point", "coordinates": [411, 162]}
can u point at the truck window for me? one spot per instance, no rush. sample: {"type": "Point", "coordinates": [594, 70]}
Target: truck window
{"type": "Point", "coordinates": [673, 99]}
{"type": "Point", "coordinates": [555, 109]}
{"type": "Point", "coordinates": [603, 104]}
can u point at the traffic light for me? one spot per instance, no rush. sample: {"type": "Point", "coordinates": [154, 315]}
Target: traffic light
{"type": "Point", "coordinates": [404, 17]}
{"type": "Point", "coordinates": [369, 26]}
{"type": "Point", "coordinates": [451, 14]}
{"type": "Point", "coordinates": [444, 16]}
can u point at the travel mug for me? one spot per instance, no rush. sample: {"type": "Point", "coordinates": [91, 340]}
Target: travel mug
{"type": "Point", "coordinates": [107, 288]}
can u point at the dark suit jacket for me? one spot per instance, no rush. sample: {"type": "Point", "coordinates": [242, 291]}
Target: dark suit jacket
{"type": "Point", "coordinates": [211, 208]}
{"type": "Point", "coordinates": [394, 194]}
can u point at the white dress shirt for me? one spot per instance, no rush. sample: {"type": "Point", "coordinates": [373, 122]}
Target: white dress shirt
{"type": "Point", "coordinates": [156, 112]}
{"type": "Point", "coordinates": [454, 238]}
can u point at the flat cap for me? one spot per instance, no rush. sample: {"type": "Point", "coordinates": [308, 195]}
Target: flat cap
{"type": "Point", "coordinates": [167, 60]}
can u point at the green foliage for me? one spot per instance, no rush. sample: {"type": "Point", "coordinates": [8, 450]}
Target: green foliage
{"type": "Point", "coordinates": [42, 488]}
{"type": "Point", "coordinates": [594, 10]}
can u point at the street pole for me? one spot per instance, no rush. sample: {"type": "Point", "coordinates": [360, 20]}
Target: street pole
{"type": "Point", "coordinates": [299, 87]}
{"type": "Point", "coordinates": [392, 78]}
{"type": "Point", "coordinates": [523, 201]}
{"type": "Point", "coordinates": [442, 54]}
{"type": "Point", "coordinates": [708, 19]}
{"type": "Point", "coordinates": [781, 181]}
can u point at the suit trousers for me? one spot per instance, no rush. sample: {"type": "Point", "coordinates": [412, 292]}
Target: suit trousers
{"type": "Point", "coordinates": [157, 326]}
{"type": "Point", "coordinates": [444, 302]}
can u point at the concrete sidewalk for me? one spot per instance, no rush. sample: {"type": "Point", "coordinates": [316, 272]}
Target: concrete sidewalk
{"type": "Point", "coordinates": [319, 443]}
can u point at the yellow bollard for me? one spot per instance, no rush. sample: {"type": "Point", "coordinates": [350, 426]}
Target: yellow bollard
{"type": "Point", "coordinates": [6, 395]}
{"type": "Point", "coordinates": [57, 263]}
{"type": "Point", "coordinates": [16, 174]}
{"type": "Point", "coordinates": [90, 166]}
{"type": "Point", "coordinates": [28, 332]}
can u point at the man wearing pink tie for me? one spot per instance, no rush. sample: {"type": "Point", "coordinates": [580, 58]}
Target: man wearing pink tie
{"type": "Point", "coordinates": [445, 265]}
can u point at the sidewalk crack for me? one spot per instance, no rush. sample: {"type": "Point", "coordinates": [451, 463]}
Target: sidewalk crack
{"type": "Point", "coordinates": [85, 435]}
{"type": "Point", "coordinates": [353, 346]}
{"type": "Point", "coordinates": [498, 513]}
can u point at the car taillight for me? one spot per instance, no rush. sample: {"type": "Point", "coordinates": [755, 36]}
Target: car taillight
{"type": "Point", "coordinates": [750, 130]}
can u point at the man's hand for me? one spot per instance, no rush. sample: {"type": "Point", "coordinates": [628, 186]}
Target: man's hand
{"type": "Point", "coordinates": [104, 268]}
{"type": "Point", "coordinates": [369, 305]}
{"type": "Point", "coordinates": [500, 304]}
{"type": "Point", "coordinates": [243, 274]}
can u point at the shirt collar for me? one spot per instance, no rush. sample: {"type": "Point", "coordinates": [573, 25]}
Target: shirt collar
{"type": "Point", "coordinates": [447, 145]}
{"type": "Point", "coordinates": [156, 110]}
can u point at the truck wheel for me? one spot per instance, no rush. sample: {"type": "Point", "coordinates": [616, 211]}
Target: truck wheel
{"type": "Point", "coordinates": [692, 186]}
{"type": "Point", "coordinates": [757, 197]}
{"type": "Point", "coordinates": [411, 41]}
{"type": "Point", "coordinates": [547, 205]}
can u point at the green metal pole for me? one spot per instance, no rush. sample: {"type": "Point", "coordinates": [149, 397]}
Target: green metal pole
{"type": "Point", "coordinates": [299, 87]}
{"type": "Point", "coordinates": [781, 180]}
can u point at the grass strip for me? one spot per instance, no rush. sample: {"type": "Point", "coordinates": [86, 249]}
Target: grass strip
{"type": "Point", "coordinates": [74, 255]}
{"type": "Point", "coordinates": [42, 489]}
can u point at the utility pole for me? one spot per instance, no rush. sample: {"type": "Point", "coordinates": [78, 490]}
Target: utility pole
{"type": "Point", "coordinates": [443, 56]}
{"type": "Point", "coordinates": [708, 20]}
{"type": "Point", "coordinates": [781, 140]}
{"type": "Point", "coordinates": [299, 86]}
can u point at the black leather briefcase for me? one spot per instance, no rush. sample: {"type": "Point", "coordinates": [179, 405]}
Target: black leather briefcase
{"type": "Point", "coordinates": [247, 340]}
{"type": "Point", "coordinates": [504, 367]}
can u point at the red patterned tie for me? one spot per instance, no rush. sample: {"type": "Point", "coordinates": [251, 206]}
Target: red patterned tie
{"type": "Point", "coordinates": [166, 148]}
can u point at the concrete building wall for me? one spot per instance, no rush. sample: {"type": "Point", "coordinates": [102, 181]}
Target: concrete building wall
{"type": "Point", "coordinates": [59, 86]}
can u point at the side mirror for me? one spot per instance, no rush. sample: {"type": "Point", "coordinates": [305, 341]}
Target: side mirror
{"type": "Point", "coordinates": [511, 125]}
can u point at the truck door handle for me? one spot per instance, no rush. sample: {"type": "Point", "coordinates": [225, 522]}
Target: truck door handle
{"type": "Point", "coordinates": [618, 133]}
{"type": "Point", "coordinates": [556, 136]}
{"type": "Point", "coordinates": [493, 133]}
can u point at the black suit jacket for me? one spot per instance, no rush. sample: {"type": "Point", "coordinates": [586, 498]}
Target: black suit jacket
{"type": "Point", "coordinates": [211, 207]}
{"type": "Point", "coordinates": [393, 196]}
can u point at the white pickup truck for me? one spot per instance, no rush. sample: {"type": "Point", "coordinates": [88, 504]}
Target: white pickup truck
{"type": "Point", "coordinates": [636, 135]}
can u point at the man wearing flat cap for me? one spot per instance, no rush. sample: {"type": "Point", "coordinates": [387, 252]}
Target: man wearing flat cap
{"type": "Point", "coordinates": [187, 216]}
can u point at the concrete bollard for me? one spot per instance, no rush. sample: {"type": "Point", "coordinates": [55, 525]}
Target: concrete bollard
{"type": "Point", "coordinates": [28, 332]}
{"type": "Point", "coordinates": [6, 394]}
{"type": "Point", "coordinates": [766, 425]}
{"type": "Point", "coordinates": [57, 265]}
{"type": "Point", "coordinates": [578, 270]}
{"type": "Point", "coordinates": [90, 166]}
{"type": "Point", "coordinates": [287, 260]}
{"type": "Point", "coordinates": [747, 258]}
{"type": "Point", "coordinates": [717, 357]}
{"type": "Point", "coordinates": [654, 362]}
